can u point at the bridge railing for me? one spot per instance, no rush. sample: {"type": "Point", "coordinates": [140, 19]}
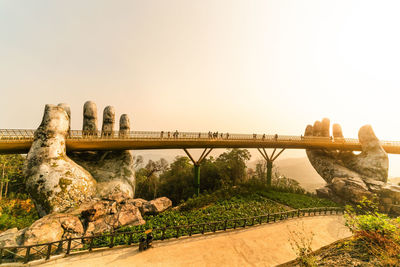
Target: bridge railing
{"type": "Point", "coordinates": [21, 134]}
{"type": "Point", "coordinates": [88, 243]}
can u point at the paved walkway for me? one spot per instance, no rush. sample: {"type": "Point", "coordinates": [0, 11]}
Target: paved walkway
{"type": "Point", "coordinates": [265, 245]}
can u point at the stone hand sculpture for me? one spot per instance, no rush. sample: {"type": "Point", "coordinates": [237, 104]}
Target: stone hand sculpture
{"type": "Point", "coordinates": [57, 181]}
{"type": "Point", "coordinates": [54, 181]}
{"type": "Point", "coordinates": [113, 170]}
{"type": "Point", "coordinates": [349, 177]}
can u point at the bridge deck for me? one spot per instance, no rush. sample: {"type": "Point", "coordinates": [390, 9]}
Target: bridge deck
{"type": "Point", "coordinates": [19, 141]}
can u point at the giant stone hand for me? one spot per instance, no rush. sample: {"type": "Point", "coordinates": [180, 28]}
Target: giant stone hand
{"type": "Point", "coordinates": [349, 176]}
{"type": "Point", "coordinates": [57, 181]}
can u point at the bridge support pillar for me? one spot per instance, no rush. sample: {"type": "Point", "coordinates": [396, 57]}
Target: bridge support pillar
{"type": "Point", "coordinates": [270, 160]}
{"type": "Point", "coordinates": [269, 172]}
{"type": "Point", "coordinates": [197, 178]}
{"type": "Point", "coordinates": [196, 167]}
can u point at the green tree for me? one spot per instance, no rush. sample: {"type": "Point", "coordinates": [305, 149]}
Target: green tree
{"type": "Point", "coordinates": [210, 177]}
{"type": "Point", "coordinates": [12, 178]}
{"type": "Point", "coordinates": [177, 182]}
{"type": "Point", "coordinates": [148, 180]}
{"type": "Point", "coordinates": [232, 165]}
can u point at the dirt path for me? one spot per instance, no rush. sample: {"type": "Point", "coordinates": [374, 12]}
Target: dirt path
{"type": "Point", "coordinates": [265, 245]}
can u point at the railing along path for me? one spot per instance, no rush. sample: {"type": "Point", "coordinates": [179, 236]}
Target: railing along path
{"type": "Point", "coordinates": [88, 243]}
{"type": "Point", "coordinates": [19, 141]}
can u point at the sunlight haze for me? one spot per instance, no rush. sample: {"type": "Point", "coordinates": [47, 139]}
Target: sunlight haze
{"type": "Point", "coordinates": [228, 66]}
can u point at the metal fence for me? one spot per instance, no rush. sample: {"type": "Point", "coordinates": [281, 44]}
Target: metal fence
{"type": "Point", "coordinates": [88, 243]}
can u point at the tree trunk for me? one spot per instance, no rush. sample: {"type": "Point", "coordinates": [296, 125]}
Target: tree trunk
{"type": "Point", "coordinates": [2, 183]}
{"type": "Point", "coordinates": [5, 192]}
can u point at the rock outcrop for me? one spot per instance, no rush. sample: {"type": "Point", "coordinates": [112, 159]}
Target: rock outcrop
{"type": "Point", "coordinates": [54, 181]}
{"type": "Point", "coordinates": [91, 218]}
{"type": "Point", "coordinates": [350, 177]}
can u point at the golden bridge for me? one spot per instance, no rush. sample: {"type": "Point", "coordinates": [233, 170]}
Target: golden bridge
{"type": "Point", "coordinates": [20, 141]}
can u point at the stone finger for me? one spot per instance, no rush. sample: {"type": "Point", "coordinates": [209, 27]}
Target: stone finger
{"type": "Point", "coordinates": [68, 110]}
{"type": "Point", "coordinates": [325, 124]}
{"type": "Point", "coordinates": [90, 118]}
{"type": "Point", "coordinates": [124, 125]}
{"type": "Point", "coordinates": [309, 130]}
{"type": "Point", "coordinates": [337, 131]}
{"type": "Point", "coordinates": [108, 121]}
{"type": "Point", "coordinates": [317, 128]}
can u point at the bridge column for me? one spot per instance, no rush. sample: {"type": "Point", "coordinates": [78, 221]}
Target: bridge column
{"type": "Point", "coordinates": [270, 161]}
{"type": "Point", "coordinates": [196, 167]}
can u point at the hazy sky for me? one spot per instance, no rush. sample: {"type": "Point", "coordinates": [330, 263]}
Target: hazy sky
{"type": "Point", "coordinates": [231, 66]}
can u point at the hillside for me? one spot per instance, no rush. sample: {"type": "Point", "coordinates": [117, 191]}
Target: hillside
{"type": "Point", "coordinates": [302, 171]}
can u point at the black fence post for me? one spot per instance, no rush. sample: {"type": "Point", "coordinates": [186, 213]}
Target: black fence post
{"type": "Point", "coordinates": [225, 224]}
{"type": "Point", "coordinates": [28, 251]}
{"type": "Point", "coordinates": [112, 240]}
{"type": "Point", "coordinates": [91, 244]}
{"type": "Point", "coordinates": [130, 238]}
{"type": "Point", "coordinates": [48, 251]}
{"type": "Point", "coordinates": [177, 232]}
{"type": "Point", "coordinates": [268, 218]}
{"type": "Point", "coordinates": [190, 230]}
{"type": "Point", "coordinates": [234, 225]}
{"type": "Point", "coordinates": [244, 223]}
{"type": "Point", "coordinates": [204, 227]}
{"type": "Point", "coordinates": [163, 233]}
{"type": "Point", "coordinates": [69, 246]}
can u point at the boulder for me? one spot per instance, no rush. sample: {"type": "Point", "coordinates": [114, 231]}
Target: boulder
{"type": "Point", "coordinates": [111, 212]}
{"type": "Point", "coordinates": [11, 237]}
{"type": "Point", "coordinates": [129, 214]}
{"type": "Point", "coordinates": [52, 228]}
{"type": "Point", "coordinates": [156, 206]}
{"type": "Point", "coordinates": [54, 181]}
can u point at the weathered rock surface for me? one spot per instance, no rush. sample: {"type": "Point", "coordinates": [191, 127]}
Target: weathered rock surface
{"type": "Point", "coordinates": [11, 237]}
{"type": "Point", "coordinates": [350, 177]}
{"type": "Point", "coordinates": [108, 214]}
{"type": "Point", "coordinates": [156, 206]}
{"type": "Point", "coordinates": [54, 181]}
{"type": "Point", "coordinates": [113, 170]}
{"type": "Point", "coordinates": [94, 217]}
{"type": "Point", "coordinates": [52, 228]}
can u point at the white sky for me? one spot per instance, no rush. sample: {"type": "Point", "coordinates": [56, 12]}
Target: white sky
{"type": "Point", "coordinates": [228, 66]}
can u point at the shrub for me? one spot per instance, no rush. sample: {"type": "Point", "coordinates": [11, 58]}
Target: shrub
{"type": "Point", "coordinates": [375, 232]}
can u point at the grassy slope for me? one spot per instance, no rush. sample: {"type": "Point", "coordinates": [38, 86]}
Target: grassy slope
{"type": "Point", "coordinates": [232, 203]}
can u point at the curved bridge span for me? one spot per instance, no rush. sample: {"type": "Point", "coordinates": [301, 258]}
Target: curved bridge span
{"type": "Point", "coordinates": [20, 141]}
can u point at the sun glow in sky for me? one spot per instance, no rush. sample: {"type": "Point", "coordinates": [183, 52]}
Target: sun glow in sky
{"type": "Point", "coordinates": [228, 66]}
